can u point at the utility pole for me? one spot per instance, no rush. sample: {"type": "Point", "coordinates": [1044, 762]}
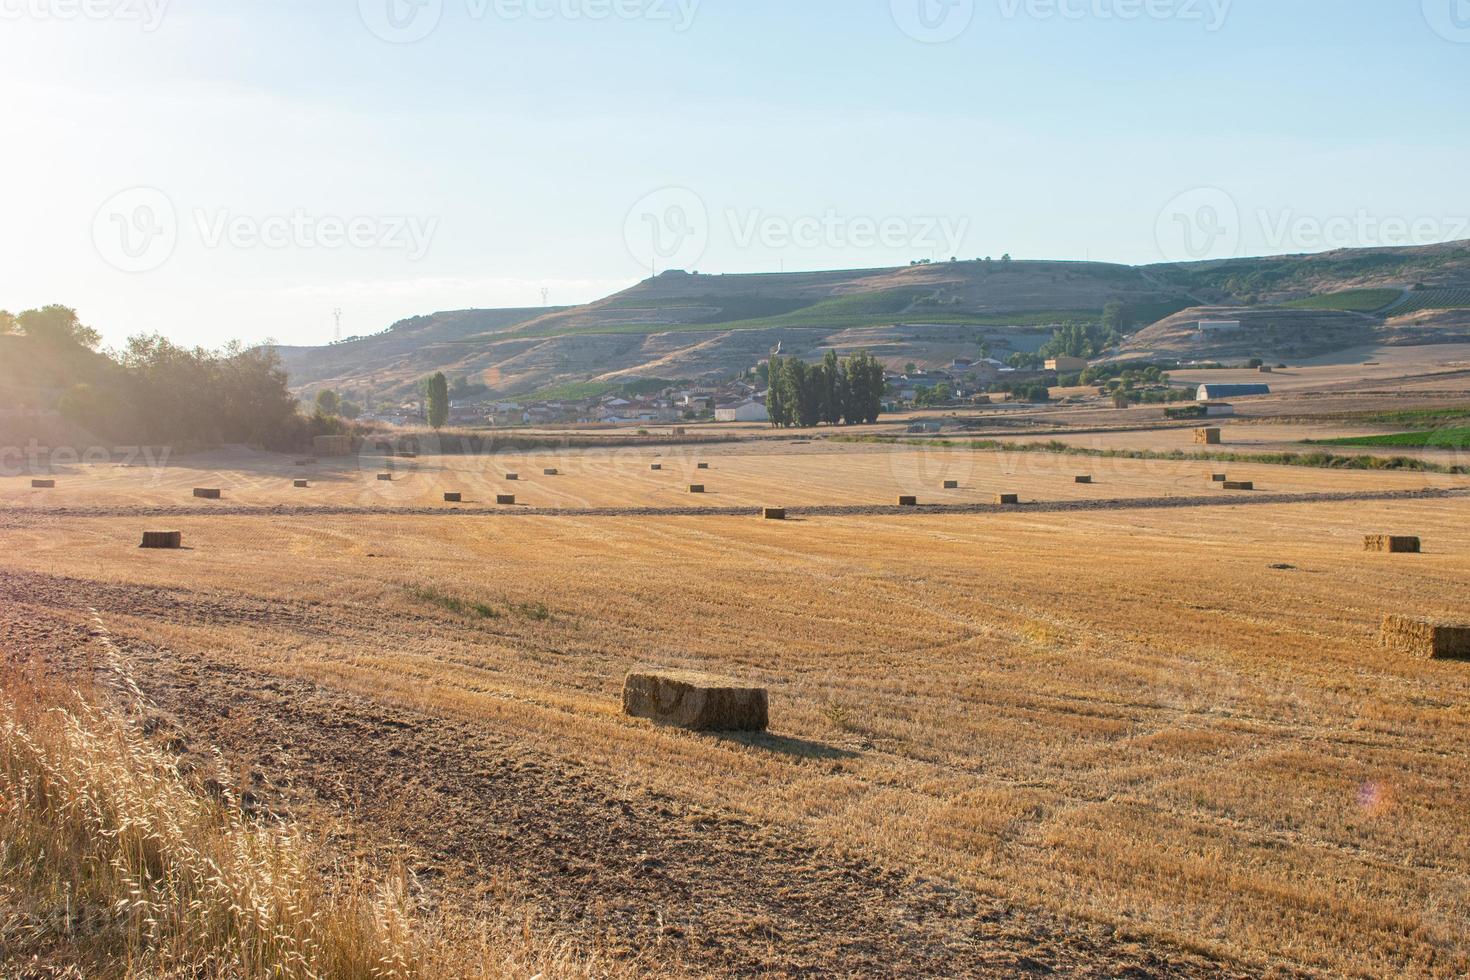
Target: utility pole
{"type": "Point", "coordinates": [337, 315]}
{"type": "Point", "coordinates": [545, 294]}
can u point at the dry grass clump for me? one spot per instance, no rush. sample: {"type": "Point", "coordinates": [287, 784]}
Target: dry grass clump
{"type": "Point", "coordinates": [114, 864]}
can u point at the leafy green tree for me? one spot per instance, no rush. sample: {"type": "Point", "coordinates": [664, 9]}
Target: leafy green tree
{"type": "Point", "coordinates": [833, 388]}
{"type": "Point", "coordinates": [438, 400]}
{"type": "Point", "coordinates": [328, 403]}
{"type": "Point", "coordinates": [349, 410]}
{"type": "Point", "coordinates": [57, 325]}
{"type": "Point", "coordinates": [775, 402]}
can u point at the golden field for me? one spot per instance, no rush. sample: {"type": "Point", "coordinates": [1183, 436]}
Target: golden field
{"type": "Point", "coordinates": [1101, 740]}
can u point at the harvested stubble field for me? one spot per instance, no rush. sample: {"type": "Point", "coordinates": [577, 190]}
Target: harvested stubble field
{"type": "Point", "coordinates": [741, 476]}
{"type": "Point", "coordinates": [1163, 741]}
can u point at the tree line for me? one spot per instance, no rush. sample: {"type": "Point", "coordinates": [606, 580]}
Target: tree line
{"type": "Point", "coordinates": [833, 391]}
{"type": "Point", "coordinates": [152, 391]}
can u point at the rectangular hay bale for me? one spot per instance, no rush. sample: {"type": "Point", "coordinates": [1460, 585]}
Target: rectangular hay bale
{"type": "Point", "coordinates": [43, 484]}
{"type": "Point", "coordinates": [1425, 638]}
{"type": "Point", "coordinates": [162, 539]}
{"type": "Point", "coordinates": [453, 498]}
{"type": "Point", "coordinates": [300, 484]}
{"type": "Point", "coordinates": [694, 701]}
{"type": "Point", "coordinates": [1218, 477]}
{"type": "Point", "coordinates": [696, 488]}
{"type": "Point", "coordinates": [774, 513]}
{"type": "Point", "coordinates": [1082, 479]}
{"type": "Point", "coordinates": [505, 498]}
{"type": "Point", "coordinates": [702, 466]}
{"type": "Point", "coordinates": [332, 445]}
{"type": "Point", "coordinates": [512, 476]}
{"type": "Point", "coordinates": [951, 484]}
{"type": "Point", "coordinates": [550, 471]}
{"type": "Point", "coordinates": [655, 466]}
{"type": "Point", "coordinates": [386, 477]}
{"type": "Point", "coordinates": [1238, 485]}
{"type": "Point", "coordinates": [908, 501]}
{"type": "Point", "coordinates": [207, 493]}
{"type": "Point", "coordinates": [1393, 544]}
{"type": "Point", "coordinates": [1007, 499]}
{"type": "Point", "coordinates": [1207, 437]}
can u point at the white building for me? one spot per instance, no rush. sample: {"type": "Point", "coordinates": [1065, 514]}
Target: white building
{"type": "Point", "coordinates": [751, 411]}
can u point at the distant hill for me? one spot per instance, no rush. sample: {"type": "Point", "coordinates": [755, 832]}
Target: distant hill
{"type": "Point", "coordinates": [686, 325]}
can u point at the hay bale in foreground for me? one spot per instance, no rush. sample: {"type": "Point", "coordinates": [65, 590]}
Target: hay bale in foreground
{"type": "Point", "coordinates": [774, 513]}
{"type": "Point", "coordinates": [1425, 638]}
{"type": "Point", "coordinates": [696, 488]}
{"type": "Point", "coordinates": [207, 493]}
{"type": "Point", "coordinates": [505, 498]}
{"type": "Point", "coordinates": [951, 484]}
{"type": "Point", "coordinates": [1082, 479]}
{"type": "Point", "coordinates": [702, 466]}
{"type": "Point", "coordinates": [162, 539]}
{"type": "Point", "coordinates": [694, 701]}
{"type": "Point", "coordinates": [1392, 543]}
{"type": "Point", "coordinates": [43, 484]}
{"type": "Point", "coordinates": [1207, 437]}
{"type": "Point", "coordinates": [906, 501]}
{"type": "Point", "coordinates": [550, 471]}
{"type": "Point", "coordinates": [655, 466]}
{"type": "Point", "coordinates": [1218, 477]}
{"type": "Point", "coordinates": [1237, 485]}
{"type": "Point", "coordinates": [1007, 499]}
{"type": "Point", "coordinates": [386, 477]}
{"type": "Point", "coordinates": [452, 497]}
{"type": "Point", "coordinates": [512, 476]}
{"type": "Point", "coordinates": [300, 484]}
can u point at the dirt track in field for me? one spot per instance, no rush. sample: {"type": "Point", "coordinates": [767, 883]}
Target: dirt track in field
{"type": "Point", "coordinates": [1260, 496]}
{"type": "Point", "coordinates": [481, 818]}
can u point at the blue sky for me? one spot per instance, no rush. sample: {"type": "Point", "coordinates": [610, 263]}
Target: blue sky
{"type": "Point", "coordinates": [241, 170]}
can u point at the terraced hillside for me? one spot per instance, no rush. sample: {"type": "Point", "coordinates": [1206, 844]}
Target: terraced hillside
{"type": "Point", "coordinates": [682, 325]}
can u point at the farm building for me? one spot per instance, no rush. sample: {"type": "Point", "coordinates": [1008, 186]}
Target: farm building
{"type": "Point", "coordinates": [751, 411]}
{"type": "Point", "coordinates": [1212, 392]}
{"type": "Point", "coordinates": [1218, 409]}
{"type": "Point", "coordinates": [1067, 365]}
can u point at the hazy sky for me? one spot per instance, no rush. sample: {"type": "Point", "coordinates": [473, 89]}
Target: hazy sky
{"type": "Point", "coordinates": [216, 170]}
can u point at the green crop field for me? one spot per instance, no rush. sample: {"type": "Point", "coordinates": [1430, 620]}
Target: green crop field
{"type": "Point", "coordinates": [1351, 301]}
{"type": "Point", "coordinates": [1433, 299]}
{"type": "Point", "coordinates": [1448, 438]}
